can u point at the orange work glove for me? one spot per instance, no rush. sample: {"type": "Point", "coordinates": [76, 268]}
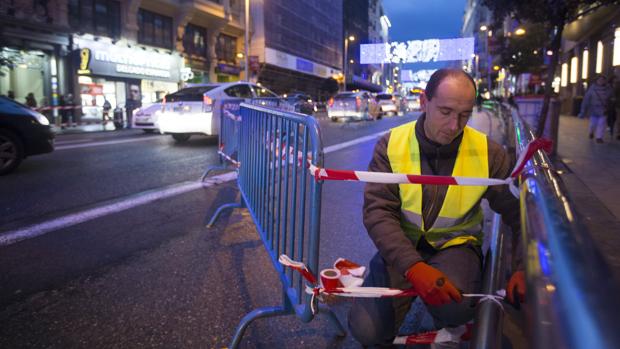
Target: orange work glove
{"type": "Point", "coordinates": [432, 285]}
{"type": "Point", "coordinates": [517, 280]}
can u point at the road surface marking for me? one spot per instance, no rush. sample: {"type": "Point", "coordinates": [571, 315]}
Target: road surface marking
{"type": "Point", "coordinates": [14, 236]}
{"type": "Point", "coordinates": [95, 144]}
{"type": "Point", "coordinates": [72, 219]}
{"type": "Point", "coordinates": [57, 142]}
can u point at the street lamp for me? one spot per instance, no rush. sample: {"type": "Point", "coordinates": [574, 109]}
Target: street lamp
{"type": "Point", "coordinates": [246, 39]}
{"type": "Point", "coordinates": [346, 51]}
{"type": "Point", "coordinates": [483, 28]}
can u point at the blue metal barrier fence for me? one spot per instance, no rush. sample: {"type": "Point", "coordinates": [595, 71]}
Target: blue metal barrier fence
{"type": "Point", "coordinates": [283, 200]}
{"type": "Point", "coordinates": [228, 138]}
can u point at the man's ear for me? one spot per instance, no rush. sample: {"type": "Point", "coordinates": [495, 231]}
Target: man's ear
{"type": "Point", "coordinates": [423, 102]}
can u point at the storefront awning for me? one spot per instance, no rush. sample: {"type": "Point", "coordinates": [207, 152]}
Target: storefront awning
{"type": "Point", "coordinates": [585, 26]}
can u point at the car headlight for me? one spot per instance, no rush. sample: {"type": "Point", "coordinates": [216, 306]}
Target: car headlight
{"type": "Point", "coordinates": [40, 118]}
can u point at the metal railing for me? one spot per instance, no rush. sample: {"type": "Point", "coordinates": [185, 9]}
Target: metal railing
{"type": "Point", "coordinates": [571, 298]}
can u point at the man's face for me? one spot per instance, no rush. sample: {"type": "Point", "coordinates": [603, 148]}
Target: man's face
{"type": "Point", "coordinates": [449, 110]}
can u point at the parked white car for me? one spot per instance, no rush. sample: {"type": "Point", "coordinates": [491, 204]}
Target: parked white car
{"type": "Point", "coordinates": [195, 110]}
{"type": "Point", "coordinates": [387, 104]}
{"type": "Point", "coordinates": [145, 117]}
{"type": "Point", "coordinates": [352, 106]}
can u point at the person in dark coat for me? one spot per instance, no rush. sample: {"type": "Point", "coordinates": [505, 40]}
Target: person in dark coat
{"type": "Point", "coordinates": [595, 105]}
{"type": "Point", "coordinates": [31, 101]}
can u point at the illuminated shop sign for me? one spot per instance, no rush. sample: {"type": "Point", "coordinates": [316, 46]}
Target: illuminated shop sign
{"type": "Point", "coordinates": [110, 60]}
{"type": "Point", "coordinates": [288, 61]}
{"type": "Point", "coordinates": [413, 51]}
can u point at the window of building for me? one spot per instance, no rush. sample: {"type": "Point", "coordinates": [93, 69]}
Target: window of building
{"type": "Point", "coordinates": [225, 48]}
{"type": "Point", "coordinates": [154, 29]}
{"type": "Point", "coordinates": [195, 40]}
{"type": "Point", "coordinates": [99, 17]}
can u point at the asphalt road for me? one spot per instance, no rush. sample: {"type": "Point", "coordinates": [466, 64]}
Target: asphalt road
{"type": "Point", "coordinates": [151, 274]}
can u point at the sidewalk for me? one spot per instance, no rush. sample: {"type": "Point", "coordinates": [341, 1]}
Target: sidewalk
{"type": "Point", "coordinates": [591, 173]}
{"type": "Point", "coordinates": [84, 128]}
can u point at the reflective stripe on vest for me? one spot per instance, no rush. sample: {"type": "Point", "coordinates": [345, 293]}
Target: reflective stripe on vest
{"type": "Point", "coordinates": [460, 217]}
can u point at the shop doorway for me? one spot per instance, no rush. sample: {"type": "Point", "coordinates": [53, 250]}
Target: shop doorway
{"type": "Point", "coordinates": [23, 74]}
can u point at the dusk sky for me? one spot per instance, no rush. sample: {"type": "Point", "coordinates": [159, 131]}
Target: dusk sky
{"type": "Point", "coordinates": [424, 19]}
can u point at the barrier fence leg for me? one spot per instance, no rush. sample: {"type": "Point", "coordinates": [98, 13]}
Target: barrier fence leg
{"type": "Point", "coordinates": [220, 210]}
{"type": "Point", "coordinates": [333, 319]}
{"type": "Point", "coordinates": [212, 168]}
{"type": "Point", "coordinates": [285, 309]}
{"type": "Point", "coordinates": [253, 315]}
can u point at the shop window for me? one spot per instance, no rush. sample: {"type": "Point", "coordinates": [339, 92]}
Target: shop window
{"type": "Point", "coordinates": [99, 17]}
{"type": "Point", "coordinates": [195, 40]}
{"type": "Point", "coordinates": [154, 29]}
{"type": "Point", "coordinates": [225, 48]}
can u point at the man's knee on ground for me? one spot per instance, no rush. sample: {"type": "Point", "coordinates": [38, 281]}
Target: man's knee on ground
{"type": "Point", "coordinates": [367, 330]}
{"type": "Point", "coordinates": [453, 314]}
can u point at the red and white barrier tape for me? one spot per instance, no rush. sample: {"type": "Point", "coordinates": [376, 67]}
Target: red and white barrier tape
{"type": "Point", "coordinates": [232, 116]}
{"type": "Point", "coordinates": [227, 157]}
{"type": "Point", "coordinates": [58, 107]}
{"type": "Point", "coordinates": [444, 335]}
{"type": "Point", "coordinates": [398, 178]}
{"type": "Point", "coordinates": [345, 280]}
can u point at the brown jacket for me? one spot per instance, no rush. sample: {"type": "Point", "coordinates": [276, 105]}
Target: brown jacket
{"type": "Point", "coordinates": [382, 201]}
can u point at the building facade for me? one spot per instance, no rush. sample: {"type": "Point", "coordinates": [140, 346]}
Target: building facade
{"type": "Point", "coordinates": [366, 23]}
{"type": "Point", "coordinates": [477, 21]}
{"type": "Point", "coordinates": [296, 45]}
{"type": "Point", "coordinates": [34, 46]}
{"type": "Point", "coordinates": [128, 52]}
{"type": "Point", "coordinates": [590, 46]}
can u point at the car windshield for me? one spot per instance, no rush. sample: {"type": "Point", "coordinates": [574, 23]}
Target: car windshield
{"type": "Point", "coordinates": [345, 95]}
{"type": "Point", "coordinates": [384, 97]}
{"type": "Point", "coordinates": [194, 94]}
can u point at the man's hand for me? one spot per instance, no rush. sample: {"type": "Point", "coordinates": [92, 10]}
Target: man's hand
{"type": "Point", "coordinates": [517, 280]}
{"type": "Point", "coordinates": [432, 285]}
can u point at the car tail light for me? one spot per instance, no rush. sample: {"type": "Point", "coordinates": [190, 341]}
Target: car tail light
{"type": "Point", "coordinates": [358, 102]}
{"type": "Point", "coordinates": [330, 102]}
{"type": "Point", "coordinates": [207, 103]}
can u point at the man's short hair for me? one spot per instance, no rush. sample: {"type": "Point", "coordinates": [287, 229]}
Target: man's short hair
{"type": "Point", "coordinates": [439, 75]}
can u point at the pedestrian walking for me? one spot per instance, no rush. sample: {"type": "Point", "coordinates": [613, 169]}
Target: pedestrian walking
{"type": "Point", "coordinates": [31, 101]}
{"type": "Point", "coordinates": [106, 111]}
{"type": "Point", "coordinates": [596, 105]}
{"type": "Point", "coordinates": [429, 237]}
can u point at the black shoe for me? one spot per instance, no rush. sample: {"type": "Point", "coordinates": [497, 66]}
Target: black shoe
{"type": "Point", "coordinates": [599, 140]}
{"type": "Point", "coordinates": [591, 135]}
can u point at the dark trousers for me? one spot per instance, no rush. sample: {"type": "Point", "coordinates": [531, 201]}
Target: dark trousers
{"type": "Point", "coordinates": [375, 321]}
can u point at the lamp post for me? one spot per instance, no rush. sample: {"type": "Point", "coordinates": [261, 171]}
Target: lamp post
{"type": "Point", "coordinates": [247, 39]}
{"type": "Point", "coordinates": [346, 62]}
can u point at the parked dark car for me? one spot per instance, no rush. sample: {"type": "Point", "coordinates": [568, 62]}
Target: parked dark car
{"type": "Point", "coordinates": [302, 103]}
{"type": "Point", "coordinates": [23, 132]}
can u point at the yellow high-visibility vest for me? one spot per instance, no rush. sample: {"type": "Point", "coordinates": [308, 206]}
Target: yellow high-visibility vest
{"type": "Point", "coordinates": [460, 218]}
